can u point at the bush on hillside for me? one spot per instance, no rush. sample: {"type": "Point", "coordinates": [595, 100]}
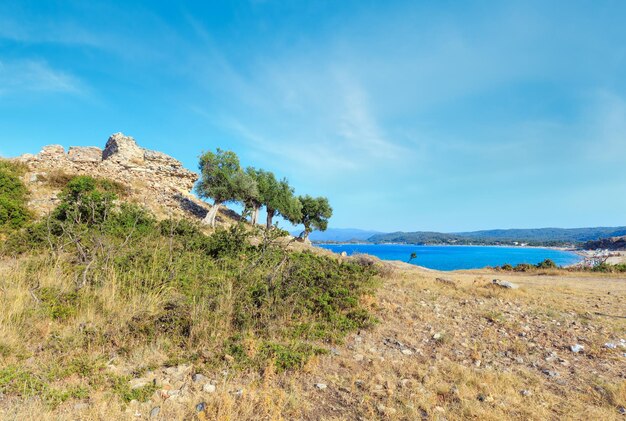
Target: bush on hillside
{"type": "Point", "coordinates": [13, 197]}
{"type": "Point", "coordinates": [527, 267]}
{"type": "Point", "coordinates": [213, 300]}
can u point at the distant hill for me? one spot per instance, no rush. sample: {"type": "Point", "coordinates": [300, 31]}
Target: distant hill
{"type": "Point", "coordinates": [612, 243]}
{"type": "Point", "coordinates": [535, 236]}
{"type": "Point", "coordinates": [340, 235]}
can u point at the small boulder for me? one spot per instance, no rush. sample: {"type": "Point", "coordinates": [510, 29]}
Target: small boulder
{"type": "Point", "coordinates": [154, 412]}
{"type": "Point", "coordinates": [320, 386]}
{"type": "Point", "coordinates": [504, 284]}
{"type": "Point", "coordinates": [550, 373]}
{"type": "Point", "coordinates": [576, 348]}
{"type": "Point", "coordinates": [209, 388]}
{"type": "Point", "coordinates": [199, 378]}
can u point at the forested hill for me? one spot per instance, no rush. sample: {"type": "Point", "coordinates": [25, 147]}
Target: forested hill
{"type": "Point", "coordinates": [536, 236]}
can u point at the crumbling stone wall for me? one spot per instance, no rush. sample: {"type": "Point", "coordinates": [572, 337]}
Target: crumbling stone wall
{"type": "Point", "coordinates": [155, 180]}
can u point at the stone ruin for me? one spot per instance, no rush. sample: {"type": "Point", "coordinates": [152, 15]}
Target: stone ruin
{"type": "Point", "coordinates": [155, 180]}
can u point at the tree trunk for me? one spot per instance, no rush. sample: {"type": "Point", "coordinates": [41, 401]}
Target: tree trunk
{"type": "Point", "coordinates": [270, 215]}
{"type": "Point", "coordinates": [254, 217]}
{"type": "Point", "coordinates": [209, 219]}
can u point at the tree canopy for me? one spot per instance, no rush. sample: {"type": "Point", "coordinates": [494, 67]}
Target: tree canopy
{"type": "Point", "coordinates": [223, 180]}
{"type": "Point", "coordinates": [315, 213]}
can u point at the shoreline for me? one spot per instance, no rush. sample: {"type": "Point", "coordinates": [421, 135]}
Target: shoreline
{"type": "Point", "coordinates": [570, 249]}
{"type": "Point", "coordinates": [577, 254]}
{"type": "Point", "coordinates": [594, 257]}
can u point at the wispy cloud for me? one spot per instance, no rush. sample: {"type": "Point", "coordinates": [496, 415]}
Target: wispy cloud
{"type": "Point", "coordinates": [358, 125]}
{"type": "Point", "coordinates": [605, 139]}
{"type": "Point", "coordinates": [36, 76]}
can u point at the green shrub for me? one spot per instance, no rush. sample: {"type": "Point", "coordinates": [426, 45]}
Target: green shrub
{"type": "Point", "coordinates": [546, 264]}
{"type": "Point", "coordinates": [13, 197]}
{"type": "Point", "coordinates": [83, 203]}
{"type": "Point", "coordinates": [59, 305]}
{"type": "Point", "coordinates": [210, 292]}
{"type": "Point", "coordinates": [523, 267]}
{"type": "Point", "coordinates": [288, 357]}
{"type": "Point", "coordinates": [608, 268]}
{"type": "Point", "coordinates": [16, 380]}
{"type": "Point", "coordinates": [121, 386]}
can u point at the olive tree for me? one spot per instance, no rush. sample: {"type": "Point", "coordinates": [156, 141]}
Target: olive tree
{"type": "Point", "coordinates": [221, 179]}
{"type": "Point", "coordinates": [279, 199]}
{"type": "Point", "coordinates": [252, 198]}
{"type": "Point", "coordinates": [315, 213]}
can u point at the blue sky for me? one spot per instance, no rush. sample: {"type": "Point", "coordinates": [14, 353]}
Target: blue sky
{"type": "Point", "coordinates": [437, 115]}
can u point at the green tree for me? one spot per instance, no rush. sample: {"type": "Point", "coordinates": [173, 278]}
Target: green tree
{"type": "Point", "coordinates": [277, 197]}
{"type": "Point", "coordinates": [221, 179]}
{"type": "Point", "coordinates": [283, 202]}
{"type": "Point", "coordinates": [247, 193]}
{"type": "Point", "coordinates": [253, 200]}
{"type": "Point", "coordinates": [315, 214]}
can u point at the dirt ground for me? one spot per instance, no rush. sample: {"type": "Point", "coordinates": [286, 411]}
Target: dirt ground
{"type": "Point", "coordinates": [448, 346]}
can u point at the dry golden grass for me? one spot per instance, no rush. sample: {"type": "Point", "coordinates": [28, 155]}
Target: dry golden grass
{"type": "Point", "coordinates": [472, 351]}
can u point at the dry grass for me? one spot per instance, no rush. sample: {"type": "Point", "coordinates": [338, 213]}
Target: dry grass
{"type": "Point", "coordinates": [439, 352]}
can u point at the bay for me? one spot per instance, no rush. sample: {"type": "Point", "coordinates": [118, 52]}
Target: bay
{"type": "Point", "coordinates": [458, 257]}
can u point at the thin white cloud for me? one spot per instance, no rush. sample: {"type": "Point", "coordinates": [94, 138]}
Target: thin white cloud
{"type": "Point", "coordinates": [359, 126]}
{"type": "Point", "coordinates": [314, 156]}
{"type": "Point", "coordinates": [36, 76]}
{"type": "Point", "coordinates": [606, 132]}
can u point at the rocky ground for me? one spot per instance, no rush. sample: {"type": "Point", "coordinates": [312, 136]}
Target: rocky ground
{"type": "Point", "coordinates": [448, 346]}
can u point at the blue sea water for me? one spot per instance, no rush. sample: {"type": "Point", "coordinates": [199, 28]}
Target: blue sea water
{"type": "Point", "coordinates": [458, 257]}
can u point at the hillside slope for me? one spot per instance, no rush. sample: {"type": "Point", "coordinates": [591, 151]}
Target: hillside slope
{"type": "Point", "coordinates": [461, 349]}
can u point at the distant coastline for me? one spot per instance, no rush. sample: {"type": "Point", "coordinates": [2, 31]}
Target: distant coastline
{"type": "Point", "coordinates": [571, 248]}
{"type": "Point", "coordinates": [559, 238]}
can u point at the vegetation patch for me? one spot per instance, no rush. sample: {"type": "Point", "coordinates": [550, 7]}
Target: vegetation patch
{"type": "Point", "coordinates": [116, 281]}
{"type": "Point", "coordinates": [13, 197]}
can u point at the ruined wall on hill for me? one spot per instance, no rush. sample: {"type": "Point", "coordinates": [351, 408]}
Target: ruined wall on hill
{"type": "Point", "coordinates": [154, 179]}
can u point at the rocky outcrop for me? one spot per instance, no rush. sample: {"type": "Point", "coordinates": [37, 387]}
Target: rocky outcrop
{"type": "Point", "coordinates": [123, 150]}
{"type": "Point", "coordinates": [155, 179]}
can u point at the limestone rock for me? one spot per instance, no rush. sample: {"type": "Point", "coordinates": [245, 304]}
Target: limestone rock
{"type": "Point", "coordinates": [52, 152]}
{"type": "Point", "coordinates": [504, 284]}
{"type": "Point", "coordinates": [85, 154]}
{"type": "Point", "coordinates": [123, 150]}
{"type": "Point", "coordinates": [155, 412]}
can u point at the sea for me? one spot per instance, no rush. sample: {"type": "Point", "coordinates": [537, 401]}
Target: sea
{"type": "Point", "coordinates": [458, 257]}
